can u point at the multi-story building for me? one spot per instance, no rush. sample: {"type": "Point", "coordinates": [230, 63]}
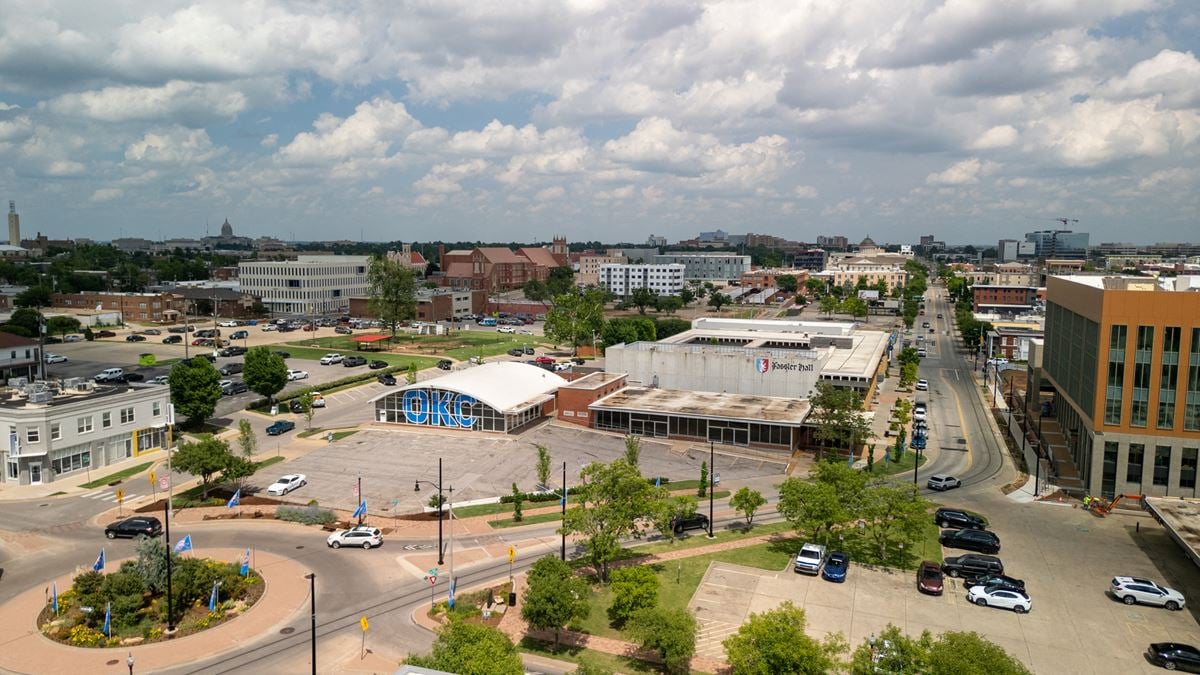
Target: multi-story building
{"type": "Point", "coordinates": [769, 278]}
{"type": "Point", "coordinates": [496, 269]}
{"type": "Point", "coordinates": [589, 267]}
{"type": "Point", "coordinates": [1004, 300]}
{"type": "Point", "coordinates": [61, 428]}
{"type": "Point", "coordinates": [707, 266]}
{"type": "Point", "coordinates": [1008, 250]}
{"type": "Point", "coordinates": [410, 259]}
{"type": "Point", "coordinates": [1061, 244]}
{"type": "Point", "coordinates": [143, 307]}
{"type": "Point", "coordinates": [635, 255]}
{"type": "Point", "coordinates": [19, 357]}
{"type": "Point", "coordinates": [845, 269]}
{"type": "Point", "coordinates": [839, 242]}
{"type": "Point", "coordinates": [810, 259]}
{"type": "Point", "coordinates": [1123, 357]}
{"type": "Point", "coordinates": [308, 285]}
{"type": "Point", "coordinates": [623, 280]}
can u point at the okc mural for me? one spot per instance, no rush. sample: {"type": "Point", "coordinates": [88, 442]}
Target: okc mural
{"type": "Point", "coordinates": [438, 408]}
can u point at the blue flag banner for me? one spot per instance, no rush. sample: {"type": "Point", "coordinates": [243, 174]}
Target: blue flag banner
{"type": "Point", "coordinates": [184, 544]}
{"type": "Point", "coordinates": [54, 599]}
{"type": "Point", "coordinates": [235, 499]}
{"type": "Point", "coordinates": [246, 563]}
{"type": "Point", "coordinates": [563, 501]}
{"type": "Point", "coordinates": [658, 481]}
{"type": "Point", "coordinates": [108, 620]}
{"type": "Point", "coordinates": [212, 599]}
{"type": "Point", "coordinates": [450, 600]}
{"type": "Point", "coordinates": [361, 510]}
{"type": "Point", "coordinates": [99, 564]}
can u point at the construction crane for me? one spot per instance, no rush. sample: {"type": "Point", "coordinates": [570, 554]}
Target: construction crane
{"type": "Point", "coordinates": [1064, 221]}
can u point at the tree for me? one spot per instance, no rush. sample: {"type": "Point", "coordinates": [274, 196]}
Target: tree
{"type": "Point", "coordinates": [836, 412]}
{"type": "Point", "coordinates": [560, 280]}
{"type": "Point", "coordinates": [543, 465]}
{"type": "Point", "coordinates": [393, 291]}
{"type": "Point", "coordinates": [236, 468]}
{"type": "Point", "coordinates": [535, 290]}
{"type": "Point", "coordinates": [306, 408]}
{"type": "Point", "coordinates": [669, 304]}
{"type": "Point", "coordinates": [151, 563]}
{"type": "Point", "coordinates": [952, 653]}
{"type": "Point", "coordinates": [746, 501]}
{"type": "Point", "coordinates": [855, 306]}
{"type": "Point", "coordinates": [576, 316]}
{"type": "Point", "coordinates": [628, 330]}
{"type": "Point", "coordinates": [718, 300]}
{"type": "Point", "coordinates": [908, 374]}
{"type": "Point", "coordinates": [633, 449]}
{"type": "Point", "coordinates": [554, 596]}
{"type": "Point", "coordinates": [471, 649]}
{"type": "Point", "coordinates": [829, 305]}
{"type": "Point", "coordinates": [518, 500]}
{"type": "Point", "coordinates": [24, 322]}
{"type": "Point", "coordinates": [61, 325]}
{"type": "Point", "coordinates": [908, 355]}
{"type": "Point", "coordinates": [815, 287]}
{"type": "Point", "coordinates": [203, 459]}
{"type": "Point", "coordinates": [665, 509]}
{"type": "Point", "coordinates": [195, 389]}
{"type": "Point", "coordinates": [670, 632]}
{"type": "Point", "coordinates": [687, 296]}
{"type": "Point", "coordinates": [634, 588]}
{"type": "Point", "coordinates": [702, 489]}
{"type": "Point", "coordinates": [894, 512]}
{"type": "Point", "coordinates": [246, 440]}
{"type": "Point", "coordinates": [612, 499]}
{"type": "Point", "coordinates": [34, 296]}
{"type": "Point", "coordinates": [643, 298]}
{"type": "Point", "coordinates": [811, 508]}
{"type": "Point", "coordinates": [776, 642]}
{"type": "Point", "coordinates": [265, 372]}
{"type": "Point", "coordinates": [788, 284]}
{"type": "Point", "coordinates": [410, 376]}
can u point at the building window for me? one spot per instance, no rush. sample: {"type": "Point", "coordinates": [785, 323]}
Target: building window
{"type": "Point", "coordinates": [1168, 376]}
{"type": "Point", "coordinates": [72, 459]}
{"type": "Point", "coordinates": [106, 420]}
{"type": "Point", "coordinates": [55, 431]}
{"type": "Point", "coordinates": [13, 470]}
{"type": "Point", "coordinates": [1116, 375]}
{"type": "Point", "coordinates": [1162, 464]}
{"type": "Point", "coordinates": [1108, 481]}
{"type": "Point", "coordinates": [1133, 467]}
{"type": "Point", "coordinates": [83, 424]}
{"type": "Point", "coordinates": [156, 408]}
{"type": "Point", "coordinates": [33, 434]}
{"type": "Point", "coordinates": [1191, 408]}
{"type": "Point", "coordinates": [1140, 408]}
{"type": "Point", "coordinates": [1187, 468]}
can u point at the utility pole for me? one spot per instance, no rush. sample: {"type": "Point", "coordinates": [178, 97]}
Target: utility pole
{"type": "Point", "coordinates": [312, 586]}
{"type": "Point", "coordinates": [712, 471]}
{"type": "Point", "coordinates": [564, 513]}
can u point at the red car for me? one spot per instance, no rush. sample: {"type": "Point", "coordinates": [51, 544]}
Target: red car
{"type": "Point", "coordinates": [544, 359]}
{"type": "Point", "coordinates": [929, 578]}
{"type": "Point", "coordinates": [310, 327]}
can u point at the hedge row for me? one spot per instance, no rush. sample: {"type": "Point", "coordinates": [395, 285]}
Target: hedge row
{"type": "Point", "coordinates": [308, 515]}
{"type": "Point", "coordinates": [536, 497]}
{"type": "Point", "coordinates": [262, 403]}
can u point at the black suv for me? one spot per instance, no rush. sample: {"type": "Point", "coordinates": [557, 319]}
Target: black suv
{"type": "Point", "coordinates": [137, 526]}
{"type": "Point", "coordinates": [972, 540]}
{"type": "Point", "coordinates": [516, 351]}
{"type": "Point", "coordinates": [972, 565]}
{"type": "Point", "coordinates": [996, 581]}
{"type": "Point", "coordinates": [696, 521]}
{"type": "Point", "coordinates": [231, 369]}
{"type": "Point", "coordinates": [235, 388]}
{"type": "Point", "coordinates": [956, 518]}
{"type": "Point", "coordinates": [232, 350]}
{"type": "Point", "coordinates": [353, 361]}
{"type": "Point", "coordinates": [445, 364]}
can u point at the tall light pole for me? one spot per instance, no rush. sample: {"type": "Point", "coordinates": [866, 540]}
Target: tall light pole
{"type": "Point", "coordinates": [712, 470]}
{"type": "Point", "coordinates": [563, 554]}
{"type": "Point", "coordinates": [167, 534]}
{"type": "Point", "coordinates": [312, 589]}
{"type": "Point", "coordinates": [438, 487]}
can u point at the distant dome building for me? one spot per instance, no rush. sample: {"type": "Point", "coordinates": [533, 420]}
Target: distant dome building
{"type": "Point", "coordinates": [226, 229]}
{"type": "Point", "coordinates": [227, 239]}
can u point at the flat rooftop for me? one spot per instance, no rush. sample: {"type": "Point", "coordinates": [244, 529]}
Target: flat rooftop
{"type": "Point", "coordinates": [861, 360]}
{"type": "Point", "coordinates": [1181, 517]}
{"type": "Point", "coordinates": [711, 405]}
{"type": "Point", "coordinates": [593, 380]}
{"type": "Point", "coordinates": [10, 399]}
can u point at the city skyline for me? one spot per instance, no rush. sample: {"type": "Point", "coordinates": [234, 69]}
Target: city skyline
{"type": "Point", "coordinates": [314, 121]}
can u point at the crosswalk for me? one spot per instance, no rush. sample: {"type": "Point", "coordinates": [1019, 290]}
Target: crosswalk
{"type": "Point", "coordinates": [108, 495]}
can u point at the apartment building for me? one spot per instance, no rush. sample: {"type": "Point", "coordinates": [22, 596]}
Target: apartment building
{"type": "Point", "coordinates": [307, 286]}
{"type": "Point", "coordinates": [1004, 300]}
{"type": "Point", "coordinates": [769, 278]}
{"type": "Point", "coordinates": [1060, 244]}
{"type": "Point", "coordinates": [707, 266]}
{"type": "Point", "coordinates": [623, 280]}
{"type": "Point", "coordinates": [589, 267]}
{"type": "Point", "coordinates": [1123, 356]}
{"type": "Point", "coordinates": [71, 426]}
{"type": "Point", "coordinates": [19, 357]}
{"type": "Point", "coordinates": [143, 307]}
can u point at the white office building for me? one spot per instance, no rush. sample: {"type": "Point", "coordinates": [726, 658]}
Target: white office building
{"type": "Point", "coordinates": [623, 280]}
{"type": "Point", "coordinates": [308, 285]}
{"type": "Point", "coordinates": [708, 266]}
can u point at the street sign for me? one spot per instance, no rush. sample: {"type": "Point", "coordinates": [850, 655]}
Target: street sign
{"type": "Point", "coordinates": [152, 479]}
{"type": "Point", "coordinates": [431, 579]}
{"type": "Point", "coordinates": [363, 622]}
{"type": "Point", "coordinates": [120, 496]}
{"type": "Point", "coordinates": [164, 483]}
{"type": "Point", "coordinates": [512, 554]}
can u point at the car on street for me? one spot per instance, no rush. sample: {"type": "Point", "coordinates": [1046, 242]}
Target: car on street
{"type": "Point", "coordinates": [132, 377]}
{"type": "Point", "coordinates": [152, 331]}
{"type": "Point", "coordinates": [387, 379]}
{"type": "Point", "coordinates": [1174, 656]}
{"type": "Point", "coordinates": [231, 369]}
{"type": "Point", "coordinates": [810, 559]}
{"type": "Point", "coordinates": [136, 526]}
{"type": "Point", "coordinates": [516, 351]}
{"type": "Point", "coordinates": [836, 567]}
{"type": "Point", "coordinates": [545, 359]}
{"type": "Point", "coordinates": [1004, 598]}
{"type": "Point", "coordinates": [297, 375]}
{"type": "Point", "coordinates": [445, 364]}
{"type": "Point", "coordinates": [972, 565]}
{"type": "Point", "coordinates": [318, 401]}
{"type": "Point", "coordinates": [330, 359]}
{"type": "Point", "coordinates": [269, 327]}
{"type": "Point", "coordinates": [377, 364]}
{"type": "Point", "coordinates": [99, 334]}
{"type": "Point", "coordinates": [943, 481]}
{"type": "Point", "coordinates": [76, 338]}
{"type": "Point", "coordinates": [996, 580]}
{"type": "Point", "coordinates": [280, 427]}
{"type": "Point", "coordinates": [202, 342]}
{"type": "Point", "coordinates": [287, 483]}
{"type": "Point", "coordinates": [980, 541]}
{"type": "Point", "coordinates": [342, 330]}
{"type": "Point", "coordinates": [283, 355]}
{"type": "Point", "coordinates": [939, 315]}
{"type": "Point", "coordinates": [922, 385]}
{"type": "Point", "coordinates": [55, 358]}
{"type": "Point", "coordinates": [506, 329]}
{"type": "Point", "coordinates": [109, 375]}
{"type": "Point", "coordinates": [362, 536]}
{"type": "Point", "coordinates": [239, 335]}
{"type": "Point", "coordinates": [161, 379]}
{"type": "Point", "coordinates": [929, 578]}
{"type": "Point", "coordinates": [172, 339]}
{"type": "Point", "coordinates": [353, 361]}
{"type": "Point", "coordinates": [696, 521]}
{"type": "Point", "coordinates": [135, 338]}
{"type": "Point", "coordinates": [528, 349]}
{"type": "Point", "coordinates": [947, 518]}
{"type": "Point", "coordinates": [1140, 590]}
{"type": "Point", "coordinates": [178, 329]}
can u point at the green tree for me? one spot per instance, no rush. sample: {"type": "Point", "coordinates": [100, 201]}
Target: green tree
{"type": "Point", "coordinates": [952, 653]}
{"type": "Point", "coordinates": [195, 389]}
{"type": "Point", "coordinates": [61, 325]}
{"type": "Point", "coordinates": [543, 465]}
{"type": "Point", "coordinates": [307, 409]}
{"type": "Point", "coordinates": [894, 513]}
{"type": "Point", "coordinates": [829, 305]}
{"type": "Point", "coordinates": [612, 500]}
{"type": "Point", "coordinates": [908, 374]}
{"type": "Point", "coordinates": [151, 562]}
{"type": "Point", "coordinates": [518, 501]}
{"type": "Point", "coordinates": [535, 290]}
{"type": "Point", "coordinates": [471, 649]}
{"type": "Point", "coordinates": [575, 317]}
{"type": "Point", "coordinates": [746, 501]}
{"type": "Point", "coordinates": [410, 376]}
{"type": "Point", "coordinates": [815, 287]}
{"type": "Point", "coordinates": [666, 508]}
{"type": "Point", "coordinates": [265, 372]}
{"type": "Point", "coordinates": [554, 596]}
{"type": "Point", "coordinates": [669, 304]}
{"type": "Point", "coordinates": [633, 449]}
{"type": "Point", "coordinates": [687, 296]}
{"type": "Point", "coordinates": [24, 321]}
{"type": "Point", "coordinates": [246, 439]}
{"type": "Point", "coordinates": [908, 355]}
{"type": "Point", "coordinates": [837, 414]}
{"type": "Point", "coordinates": [702, 489]}
{"type": "Point", "coordinates": [634, 588]}
{"type": "Point", "coordinates": [34, 296]}
{"type": "Point", "coordinates": [776, 642]}
{"type": "Point", "coordinates": [719, 300]}
{"type": "Point", "coordinates": [811, 508]}
{"type": "Point", "coordinates": [788, 284]}
{"type": "Point", "coordinates": [236, 468]}
{"type": "Point", "coordinates": [125, 590]}
{"type": "Point", "coordinates": [393, 291]}
{"type": "Point", "coordinates": [643, 298]}
{"type": "Point", "coordinates": [203, 459]}
{"type": "Point", "coordinates": [670, 632]}
{"type": "Point", "coordinates": [560, 280]}
{"type": "Point", "coordinates": [88, 334]}
{"type": "Point", "coordinates": [855, 306]}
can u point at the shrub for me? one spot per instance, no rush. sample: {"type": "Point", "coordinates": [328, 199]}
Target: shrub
{"type": "Point", "coordinates": [532, 497]}
{"type": "Point", "coordinates": [84, 636]}
{"type": "Point", "coordinates": [308, 515]}
{"type": "Point", "coordinates": [126, 591]}
{"type": "Point", "coordinates": [634, 588]}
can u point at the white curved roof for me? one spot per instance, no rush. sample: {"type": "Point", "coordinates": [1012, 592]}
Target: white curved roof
{"type": "Point", "coordinates": [503, 385]}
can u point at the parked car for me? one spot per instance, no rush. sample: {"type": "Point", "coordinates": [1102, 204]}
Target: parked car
{"type": "Point", "coordinates": [54, 358]}
{"type": "Point", "coordinates": [1004, 598]}
{"type": "Point", "coordinates": [836, 567]}
{"type": "Point", "coordinates": [506, 329]}
{"type": "Point", "coordinates": [318, 401]}
{"type": "Point", "coordinates": [296, 406]}
{"type": "Point", "coordinates": [947, 518]}
{"type": "Point", "coordinates": [942, 482]}
{"type": "Point", "coordinates": [232, 350]}
{"type": "Point", "coordinates": [76, 338]}
{"type": "Point", "coordinates": [137, 526]}
{"type": "Point", "coordinates": [235, 388]}
{"type": "Point", "coordinates": [996, 580]}
{"type": "Point", "coordinates": [283, 355]}
{"type": "Point", "coordinates": [377, 364]}
{"type": "Point", "coordinates": [161, 379]}
{"type": "Point", "coordinates": [696, 521]}
{"type": "Point", "coordinates": [135, 338]}
{"type": "Point", "coordinates": [177, 329]}
{"type": "Point", "coordinates": [922, 385]}
{"type": "Point", "coordinates": [560, 367]}
{"type": "Point", "coordinates": [99, 334]}
{"type": "Point", "coordinates": [929, 578]}
{"type": "Point", "coordinates": [1132, 590]}
{"type": "Point", "coordinates": [172, 339]}
{"type": "Point", "coordinates": [330, 359]}
{"type": "Point", "coordinates": [310, 327]}
{"type": "Point", "coordinates": [353, 361]}
{"type": "Point", "coordinates": [516, 351]}
{"type": "Point", "coordinates": [980, 541]}
{"type": "Point", "coordinates": [229, 324]}
{"type": "Point", "coordinates": [280, 427]}
{"type": "Point", "coordinates": [287, 483]}
{"type": "Point", "coordinates": [810, 559]}
{"type": "Point", "coordinates": [152, 331]}
{"type": "Point", "coordinates": [972, 565]}
{"type": "Point", "coordinates": [528, 349]}
{"type": "Point", "coordinates": [231, 369]}
{"type": "Point", "coordinates": [297, 375]}
{"type": "Point", "coordinates": [51, 340]}
{"type": "Point", "coordinates": [342, 330]}
{"type": "Point", "coordinates": [363, 536]}
{"type": "Point", "coordinates": [269, 328]}
{"type": "Point", "coordinates": [544, 359]}
{"type": "Point", "coordinates": [109, 375]}
{"type": "Point", "coordinates": [239, 335]}
{"type": "Point", "coordinates": [1175, 656]}
{"type": "Point", "coordinates": [387, 379]}
{"type": "Point", "coordinates": [445, 364]}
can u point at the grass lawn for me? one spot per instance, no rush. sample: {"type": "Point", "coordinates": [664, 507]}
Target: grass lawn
{"type": "Point", "coordinates": [609, 662]}
{"type": "Point", "coordinates": [528, 520]}
{"type": "Point", "coordinates": [461, 345]}
{"type": "Point", "coordinates": [114, 477]}
{"type": "Point", "coordinates": [491, 509]}
{"type": "Point", "coordinates": [889, 468]}
{"type": "Point", "coordinates": [301, 350]}
{"type": "Point", "coordinates": [268, 462]}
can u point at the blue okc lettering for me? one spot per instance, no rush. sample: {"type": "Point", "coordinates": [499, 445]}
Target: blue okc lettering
{"type": "Point", "coordinates": [416, 406]}
{"type": "Point", "coordinates": [464, 419]}
{"type": "Point", "coordinates": [440, 415]}
{"type": "Point", "coordinates": [438, 409]}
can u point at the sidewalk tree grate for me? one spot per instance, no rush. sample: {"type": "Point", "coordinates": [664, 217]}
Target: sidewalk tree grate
{"type": "Point", "coordinates": [111, 662]}
{"type": "Point", "coordinates": [284, 631]}
{"type": "Point", "coordinates": [300, 547]}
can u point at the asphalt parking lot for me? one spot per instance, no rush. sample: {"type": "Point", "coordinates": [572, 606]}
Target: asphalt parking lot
{"type": "Point", "coordinates": [1066, 558]}
{"type": "Point", "coordinates": [477, 465]}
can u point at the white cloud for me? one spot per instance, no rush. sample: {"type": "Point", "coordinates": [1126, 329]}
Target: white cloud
{"type": "Point", "coordinates": [176, 146]}
{"type": "Point", "coordinates": [1096, 131]}
{"type": "Point", "coordinates": [370, 132]}
{"type": "Point", "coordinates": [189, 102]}
{"type": "Point", "coordinates": [997, 137]}
{"type": "Point", "coordinates": [1173, 76]}
{"type": "Point", "coordinates": [269, 141]}
{"type": "Point", "coordinates": [966, 172]}
{"type": "Point", "coordinates": [805, 192]}
{"type": "Point", "coordinates": [106, 194]}
{"type": "Point", "coordinates": [550, 194]}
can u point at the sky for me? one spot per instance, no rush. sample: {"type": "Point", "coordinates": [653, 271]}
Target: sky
{"type": "Point", "coordinates": [972, 120]}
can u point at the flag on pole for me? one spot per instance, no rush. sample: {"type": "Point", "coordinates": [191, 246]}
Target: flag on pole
{"type": "Point", "coordinates": [212, 599]}
{"type": "Point", "coordinates": [99, 564]}
{"type": "Point", "coordinates": [450, 600]}
{"type": "Point", "coordinates": [563, 501]}
{"type": "Point", "coordinates": [54, 599]}
{"type": "Point", "coordinates": [246, 563]}
{"type": "Point", "coordinates": [108, 620]}
{"type": "Point", "coordinates": [184, 544]}
{"type": "Point", "coordinates": [354, 490]}
{"type": "Point", "coordinates": [361, 510]}
{"type": "Point", "coordinates": [850, 460]}
{"type": "Point", "coordinates": [658, 481]}
{"type": "Point", "coordinates": [235, 499]}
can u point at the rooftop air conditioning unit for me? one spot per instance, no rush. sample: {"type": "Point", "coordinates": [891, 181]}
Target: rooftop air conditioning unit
{"type": "Point", "coordinates": [41, 397]}
{"type": "Point", "coordinates": [17, 382]}
{"type": "Point", "coordinates": [73, 382]}
{"type": "Point", "coordinates": [85, 385]}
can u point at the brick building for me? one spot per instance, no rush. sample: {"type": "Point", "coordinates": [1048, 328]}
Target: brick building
{"type": "Point", "coordinates": [143, 307]}
{"type": "Point", "coordinates": [497, 269]}
{"type": "Point", "coordinates": [769, 278]}
{"type": "Point", "coordinates": [1006, 300]}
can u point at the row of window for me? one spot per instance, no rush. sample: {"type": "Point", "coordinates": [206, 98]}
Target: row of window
{"type": "Point", "coordinates": [294, 269]}
{"type": "Point", "coordinates": [84, 424]}
{"type": "Point", "coordinates": [1136, 460]}
{"type": "Point", "coordinates": [1143, 376]}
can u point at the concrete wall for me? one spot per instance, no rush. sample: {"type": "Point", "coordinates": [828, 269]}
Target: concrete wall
{"type": "Point", "coordinates": [715, 370]}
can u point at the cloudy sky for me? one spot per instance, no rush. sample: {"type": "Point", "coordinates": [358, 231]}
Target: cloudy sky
{"type": "Point", "coordinates": [968, 119]}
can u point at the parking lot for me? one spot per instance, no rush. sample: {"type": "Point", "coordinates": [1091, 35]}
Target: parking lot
{"type": "Point", "coordinates": [1066, 558]}
{"type": "Point", "coordinates": [477, 465]}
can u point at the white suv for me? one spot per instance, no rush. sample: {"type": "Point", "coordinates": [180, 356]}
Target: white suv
{"type": "Point", "coordinates": [1137, 589]}
{"type": "Point", "coordinates": [810, 559]}
{"type": "Point", "coordinates": [922, 385]}
{"type": "Point", "coordinates": [330, 359]}
{"type": "Point", "coordinates": [297, 375]}
{"type": "Point", "coordinates": [364, 536]}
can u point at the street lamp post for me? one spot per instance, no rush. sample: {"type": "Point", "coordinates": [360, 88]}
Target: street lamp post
{"type": "Point", "coordinates": [563, 554]}
{"type": "Point", "coordinates": [312, 589]}
{"type": "Point", "coordinates": [712, 469]}
{"type": "Point", "coordinates": [438, 487]}
{"type": "Point", "coordinates": [167, 533]}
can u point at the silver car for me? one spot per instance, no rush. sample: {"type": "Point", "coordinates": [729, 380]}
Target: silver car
{"type": "Point", "coordinates": [1132, 590]}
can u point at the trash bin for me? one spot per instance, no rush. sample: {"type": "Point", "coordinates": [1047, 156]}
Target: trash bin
{"type": "Point", "coordinates": [274, 410]}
